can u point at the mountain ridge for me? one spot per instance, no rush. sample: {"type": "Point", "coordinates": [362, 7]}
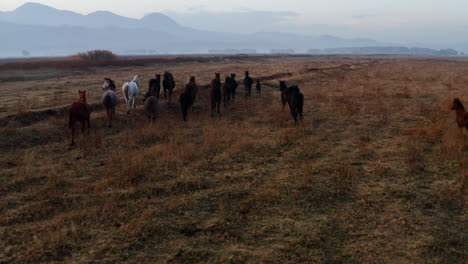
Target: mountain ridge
{"type": "Point", "coordinates": [61, 32]}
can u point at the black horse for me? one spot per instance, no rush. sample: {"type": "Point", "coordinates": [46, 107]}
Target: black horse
{"type": "Point", "coordinates": [248, 82]}
{"type": "Point", "coordinates": [168, 85]}
{"type": "Point", "coordinates": [295, 100]}
{"type": "Point", "coordinates": [154, 87]}
{"type": "Point", "coordinates": [187, 98]}
{"type": "Point", "coordinates": [215, 93]}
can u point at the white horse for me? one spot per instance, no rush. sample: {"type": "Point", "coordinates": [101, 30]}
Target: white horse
{"type": "Point", "coordinates": [131, 91]}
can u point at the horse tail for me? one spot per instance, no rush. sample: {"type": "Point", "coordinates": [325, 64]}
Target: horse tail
{"type": "Point", "coordinates": [125, 91]}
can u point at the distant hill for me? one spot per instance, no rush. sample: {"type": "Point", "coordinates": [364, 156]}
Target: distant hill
{"type": "Point", "coordinates": [39, 30]}
{"type": "Point", "coordinates": [386, 50]}
{"type": "Point", "coordinates": [38, 14]}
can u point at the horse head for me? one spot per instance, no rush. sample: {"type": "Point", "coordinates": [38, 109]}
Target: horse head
{"type": "Point", "coordinates": [457, 104]}
{"type": "Point", "coordinates": [108, 84]}
{"type": "Point", "coordinates": [283, 86]}
{"type": "Point", "coordinates": [137, 80]}
{"type": "Point", "coordinates": [82, 96]}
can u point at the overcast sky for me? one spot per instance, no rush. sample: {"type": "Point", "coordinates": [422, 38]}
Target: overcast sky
{"type": "Point", "coordinates": [385, 20]}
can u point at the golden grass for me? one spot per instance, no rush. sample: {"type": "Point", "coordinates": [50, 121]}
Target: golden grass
{"type": "Point", "coordinates": [376, 173]}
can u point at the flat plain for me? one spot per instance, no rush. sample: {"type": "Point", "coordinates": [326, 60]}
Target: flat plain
{"type": "Point", "coordinates": [375, 173]}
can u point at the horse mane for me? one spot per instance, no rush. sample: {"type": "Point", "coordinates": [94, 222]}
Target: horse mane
{"type": "Point", "coordinates": [295, 89]}
{"type": "Point", "coordinates": [168, 75]}
{"type": "Point", "coordinates": [111, 83]}
{"type": "Point", "coordinates": [459, 103]}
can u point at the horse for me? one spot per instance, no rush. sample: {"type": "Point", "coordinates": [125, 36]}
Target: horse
{"type": "Point", "coordinates": [234, 86]}
{"type": "Point", "coordinates": [215, 94]}
{"type": "Point", "coordinates": [193, 87]}
{"type": "Point", "coordinates": [79, 112]}
{"type": "Point", "coordinates": [295, 101]}
{"type": "Point", "coordinates": [227, 91]}
{"type": "Point", "coordinates": [109, 99]}
{"type": "Point", "coordinates": [248, 82]}
{"type": "Point", "coordinates": [168, 84]}
{"type": "Point", "coordinates": [154, 87]}
{"type": "Point", "coordinates": [187, 98]}
{"type": "Point", "coordinates": [151, 107]}
{"type": "Point", "coordinates": [283, 89]}
{"type": "Point", "coordinates": [461, 116]}
{"type": "Point", "coordinates": [131, 91]}
{"type": "Point", "coordinates": [259, 87]}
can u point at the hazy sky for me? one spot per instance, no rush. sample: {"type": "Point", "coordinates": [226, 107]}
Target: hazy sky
{"type": "Point", "coordinates": [386, 20]}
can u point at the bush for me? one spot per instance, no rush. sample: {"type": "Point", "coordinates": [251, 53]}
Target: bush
{"type": "Point", "coordinates": [97, 55]}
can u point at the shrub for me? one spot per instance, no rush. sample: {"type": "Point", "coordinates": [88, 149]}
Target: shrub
{"type": "Point", "coordinates": [97, 55]}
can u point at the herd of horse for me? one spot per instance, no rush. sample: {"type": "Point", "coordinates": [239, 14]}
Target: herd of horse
{"type": "Point", "coordinates": [220, 93]}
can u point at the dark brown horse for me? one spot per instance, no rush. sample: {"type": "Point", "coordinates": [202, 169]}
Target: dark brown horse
{"type": "Point", "coordinates": [248, 82]}
{"type": "Point", "coordinates": [283, 89]}
{"type": "Point", "coordinates": [259, 87]}
{"type": "Point", "coordinates": [168, 85]}
{"type": "Point", "coordinates": [215, 93]}
{"type": "Point", "coordinates": [234, 86]}
{"type": "Point", "coordinates": [79, 112]}
{"type": "Point", "coordinates": [187, 98]}
{"type": "Point", "coordinates": [461, 115]}
{"type": "Point", "coordinates": [154, 87]}
{"type": "Point", "coordinates": [227, 91]}
{"type": "Point", "coordinates": [151, 108]}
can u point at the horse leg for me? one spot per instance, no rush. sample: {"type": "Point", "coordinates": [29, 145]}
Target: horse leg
{"type": "Point", "coordinates": [72, 133]}
{"type": "Point", "coordinates": [212, 107]}
{"type": "Point", "coordinates": [128, 106]}
{"type": "Point", "coordinates": [89, 124]}
{"type": "Point", "coordinates": [109, 113]}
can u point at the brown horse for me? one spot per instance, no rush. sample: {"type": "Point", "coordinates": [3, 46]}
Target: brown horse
{"type": "Point", "coordinates": [461, 115]}
{"type": "Point", "coordinates": [151, 108]}
{"type": "Point", "coordinates": [283, 89]}
{"type": "Point", "coordinates": [79, 112]}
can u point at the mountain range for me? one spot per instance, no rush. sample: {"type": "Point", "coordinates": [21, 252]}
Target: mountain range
{"type": "Point", "coordinates": [39, 30]}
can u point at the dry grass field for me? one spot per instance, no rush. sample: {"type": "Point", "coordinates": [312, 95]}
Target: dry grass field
{"type": "Point", "coordinates": [376, 172]}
